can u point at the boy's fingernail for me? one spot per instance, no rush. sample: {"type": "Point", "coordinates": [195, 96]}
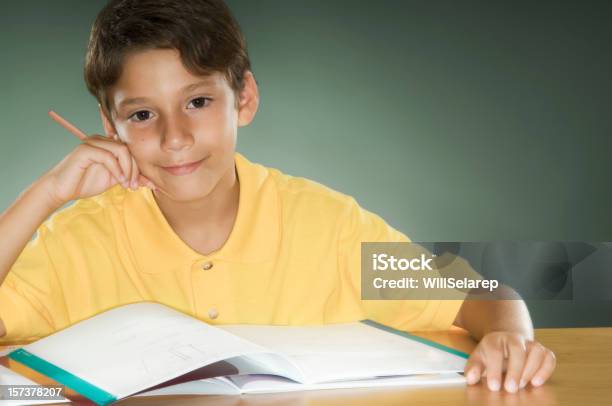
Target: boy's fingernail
{"type": "Point", "coordinates": [537, 381]}
{"type": "Point", "coordinates": [134, 185]}
{"type": "Point", "coordinates": [511, 386]}
{"type": "Point", "coordinates": [522, 384]}
{"type": "Point", "coordinates": [471, 377]}
{"type": "Point", "coordinates": [493, 384]}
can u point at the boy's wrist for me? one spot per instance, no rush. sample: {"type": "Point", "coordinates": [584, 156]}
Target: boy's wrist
{"type": "Point", "coordinates": [509, 318]}
{"type": "Point", "coordinates": [526, 333]}
{"type": "Point", "coordinates": [43, 189]}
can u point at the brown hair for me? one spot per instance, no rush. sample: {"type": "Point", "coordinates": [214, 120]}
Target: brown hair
{"type": "Point", "coordinates": [203, 31]}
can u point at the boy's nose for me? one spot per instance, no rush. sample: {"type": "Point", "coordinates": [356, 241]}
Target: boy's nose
{"type": "Point", "coordinates": [176, 136]}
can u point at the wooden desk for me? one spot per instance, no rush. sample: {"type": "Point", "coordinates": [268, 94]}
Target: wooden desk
{"type": "Point", "coordinates": [583, 377]}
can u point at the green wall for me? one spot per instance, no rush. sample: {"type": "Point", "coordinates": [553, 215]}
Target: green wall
{"type": "Point", "coordinates": [466, 121]}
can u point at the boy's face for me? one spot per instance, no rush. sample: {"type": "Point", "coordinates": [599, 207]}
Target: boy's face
{"type": "Point", "coordinates": [168, 116]}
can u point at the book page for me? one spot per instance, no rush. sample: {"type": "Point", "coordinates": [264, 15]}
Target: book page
{"type": "Point", "coordinates": [137, 346]}
{"type": "Point", "coordinates": [212, 386]}
{"type": "Point", "coordinates": [349, 351]}
{"type": "Point", "coordinates": [272, 384]}
{"type": "Point", "coordinates": [266, 363]}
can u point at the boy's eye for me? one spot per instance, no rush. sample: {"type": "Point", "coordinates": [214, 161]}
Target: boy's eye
{"type": "Point", "coordinates": [142, 115]}
{"type": "Point", "coordinates": [198, 102]}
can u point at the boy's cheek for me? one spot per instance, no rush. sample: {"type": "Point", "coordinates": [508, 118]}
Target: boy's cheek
{"type": "Point", "coordinates": [144, 150]}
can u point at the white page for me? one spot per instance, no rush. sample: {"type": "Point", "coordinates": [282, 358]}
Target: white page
{"type": "Point", "coordinates": [137, 346]}
{"type": "Point", "coordinates": [349, 351]}
{"type": "Point", "coordinates": [212, 386]}
{"type": "Point", "coordinates": [272, 384]}
{"type": "Point", "coordinates": [256, 364]}
{"type": "Point", "coordinates": [268, 363]}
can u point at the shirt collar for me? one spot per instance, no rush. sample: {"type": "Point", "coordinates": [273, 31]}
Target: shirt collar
{"type": "Point", "coordinates": [254, 238]}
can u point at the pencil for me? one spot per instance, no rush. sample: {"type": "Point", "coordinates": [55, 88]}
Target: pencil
{"type": "Point", "coordinates": [67, 125]}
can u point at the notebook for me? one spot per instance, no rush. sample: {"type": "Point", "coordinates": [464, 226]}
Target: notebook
{"type": "Point", "coordinates": [149, 349]}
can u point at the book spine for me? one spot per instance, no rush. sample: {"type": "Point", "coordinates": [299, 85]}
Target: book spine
{"type": "Point", "coordinates": [92, 392]}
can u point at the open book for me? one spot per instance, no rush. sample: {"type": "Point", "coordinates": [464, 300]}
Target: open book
{"type": "Point", "coordinates": [149, 349]}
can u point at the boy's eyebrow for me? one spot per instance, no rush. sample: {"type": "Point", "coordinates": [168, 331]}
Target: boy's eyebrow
{"type": "Point", "coordinates": [188, 88]}
{"type": "Point", "coordinates": [196, 85]}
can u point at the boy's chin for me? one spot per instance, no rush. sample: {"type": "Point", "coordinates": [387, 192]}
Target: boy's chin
{"type": "Point", "coordinates": [186, 193]}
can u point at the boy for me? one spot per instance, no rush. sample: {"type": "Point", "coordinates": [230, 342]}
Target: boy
{"type": "Point", "coordinates": [167, 211]}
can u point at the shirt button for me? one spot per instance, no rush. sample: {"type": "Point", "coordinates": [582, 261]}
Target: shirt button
{"type": "Point", "coordinates": [207, 265]}
{"type": "Point", "coordinates": [213, 313]}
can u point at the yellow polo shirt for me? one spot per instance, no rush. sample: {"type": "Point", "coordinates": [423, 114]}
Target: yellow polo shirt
{"type": "Point", "coordinates": [292, 258]}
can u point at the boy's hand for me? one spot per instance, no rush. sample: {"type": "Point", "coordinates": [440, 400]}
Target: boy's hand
{"type": "Point", "coordinates": [523, 360]}
{"type": "Point", "coordinates": [94, 166]}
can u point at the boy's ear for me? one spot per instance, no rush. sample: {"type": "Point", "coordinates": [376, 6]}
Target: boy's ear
{"type": "Point", "coordinates": [109, 129]}
{"type": "Point", "coordinates": [248, 100]}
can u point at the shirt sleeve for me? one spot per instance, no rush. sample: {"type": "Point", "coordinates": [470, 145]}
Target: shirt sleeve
{"type": "Point", "coordinates": [31, 301]}
{"type": "Point", "coordinates": [407, 315]}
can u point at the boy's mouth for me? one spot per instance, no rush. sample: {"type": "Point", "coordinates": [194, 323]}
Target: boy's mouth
{"type": "Point", "coordinates": [183, 169]}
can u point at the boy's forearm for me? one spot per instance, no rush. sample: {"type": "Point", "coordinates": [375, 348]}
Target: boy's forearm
{"type": "Point", "coordinates": [481, 314]}
{"type": "Point", "coordinates": [19, 222]}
